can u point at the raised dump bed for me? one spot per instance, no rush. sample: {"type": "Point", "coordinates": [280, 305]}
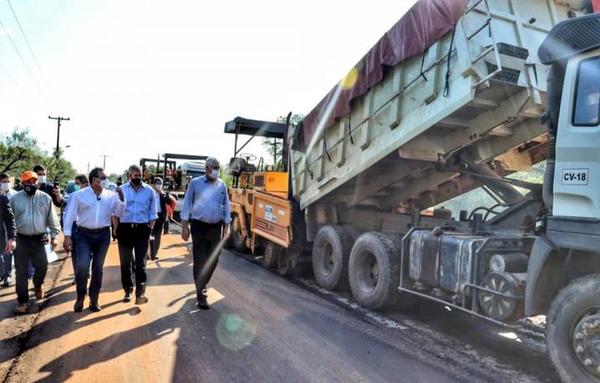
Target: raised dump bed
{"type": "Point", "coordinates": [454, 83]}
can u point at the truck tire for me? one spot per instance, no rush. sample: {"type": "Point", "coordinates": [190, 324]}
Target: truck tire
{"type": "Point", "coordinates": [285, 263]}
{"type": "Point", "coordinates": [237, 239]}
{"type": "Point", "coordinates": [573, 330]}
{"type": "Point", "coordinates": [330, 254]}
{"type": "Point", "coordinates": [374, 271]}
{"type": "Point", "coordinates": [271, 255]}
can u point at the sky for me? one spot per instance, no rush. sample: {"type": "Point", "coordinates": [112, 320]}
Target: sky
{"type": "Point", "coordinates": [142, 77]}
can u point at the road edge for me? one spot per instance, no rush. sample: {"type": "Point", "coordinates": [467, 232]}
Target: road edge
{"type": "Point", "coordinates": [55, 269]}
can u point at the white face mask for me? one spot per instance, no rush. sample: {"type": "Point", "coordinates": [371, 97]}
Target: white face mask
{"type": "Point", "coordinates": [158, 186]}
{"type": "Point", "coordinates": [214, 174]}
{"type": "Point", "coordinates": [105, 183]}
{"type": "Point", "coordinates": [5, 186]}
{"type": "Point", "coordinates": [41, 180]}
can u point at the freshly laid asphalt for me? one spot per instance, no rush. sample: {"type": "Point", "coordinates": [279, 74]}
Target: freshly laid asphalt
{"type": "Point", "coordinates": [261, 328]}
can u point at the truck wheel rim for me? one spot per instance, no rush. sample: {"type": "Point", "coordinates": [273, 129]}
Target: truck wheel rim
{"type": "Point", "coordinates": [368, 272]}
{"type": "Point", "coordinates": [586, 341]}
{"type": "Point", "coordinates": [326, 251]}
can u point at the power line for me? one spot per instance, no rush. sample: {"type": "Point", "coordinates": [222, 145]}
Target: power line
{"type": "Point", "coordinates": [37, 63]}
{"type": "Point", "coordinates": [12, 42]}
{"type": "Point", "coordinates": [10, 76]}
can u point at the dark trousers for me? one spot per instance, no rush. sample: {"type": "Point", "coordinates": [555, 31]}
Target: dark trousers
{"type": "Point", "coordinates": [91, 249]}
{"type": "Point", "coordinates": [5, 265]}
{"type": "Point", "coordinates": [205, 241]}
{"type": "Point", "coordinates": [74, 246]}
{"type": "Point", "coordinates": [157, 231]}
{"type": "Point", "coordinates": [29, 249]}
{"type": "Point", "coordinates": [133, 246]}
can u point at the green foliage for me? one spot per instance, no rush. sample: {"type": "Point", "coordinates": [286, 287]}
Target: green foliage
{"type": "Point", "coordinates": [274, 146]}
{"type": "Point", "coordinates": [535, 174]}
{"type": "Point", "coordinates": [225, 176]}
{"type": "Point", "coordinates": [61, 170]}
{"type": "Point", "coordinates": [19, 151]}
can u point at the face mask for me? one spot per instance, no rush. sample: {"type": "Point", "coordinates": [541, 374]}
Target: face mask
{"type": "Point", "coordinates": [5, 186]}
{"type": "Point", "coordinates": [30, 189]}
{"type": "Point", "coordinates": [105, 183]}
{"type": "Point", "coordinates": [136, 181]}
{"type": "Point", "coordinates": [41, 180]}
{"type": "Point", "coordinates": [158, 186]}
{"type": "Point", "coordinates": [76, 188]}
{"type": "Point", "coordinates": [214, 174]}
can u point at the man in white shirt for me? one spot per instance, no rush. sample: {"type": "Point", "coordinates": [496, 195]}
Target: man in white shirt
{"type": "Point", "coordinates": [93, 209]}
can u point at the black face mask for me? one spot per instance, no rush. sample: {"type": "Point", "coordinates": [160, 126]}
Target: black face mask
{"type": "Point", "coordinates": [136, 181]}
{"type": "Point", "coordinates": [30, 189]}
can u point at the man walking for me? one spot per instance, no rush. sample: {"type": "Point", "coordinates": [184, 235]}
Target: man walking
{"type": "Point", "coordinates": [163, 199]}
{"type": "Point", "coordinates": [7, 233]}
{"type": "Point", "coordinates": [93, 208]}
{"type": "Point", "coordinates": [51, 190]}
{"type": "Point", "coordinates": [34, 215]}
{"type": "Point", "coordinates": [136, 222]}
{"type": "Point", "coordinates": [81, 182]}
{"type": "Point", "coordinates": [206, 206]}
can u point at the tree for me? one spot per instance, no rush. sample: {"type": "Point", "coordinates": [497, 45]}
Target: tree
{"type": "Point", "coordinates": [19, 151]}
{"type": "Point", "coordinates": [60, 171]}
{"type": "Point", "coordinates": [274, 146]}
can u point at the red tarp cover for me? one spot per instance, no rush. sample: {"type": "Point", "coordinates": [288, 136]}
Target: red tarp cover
{"type": "Point", "coordinates": [426, 22]}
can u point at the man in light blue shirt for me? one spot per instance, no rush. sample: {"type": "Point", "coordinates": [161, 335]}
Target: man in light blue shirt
{"type": "Point", "coordinates": [136, 221]}
{"type": "Point", "coordinates": [206, 206]}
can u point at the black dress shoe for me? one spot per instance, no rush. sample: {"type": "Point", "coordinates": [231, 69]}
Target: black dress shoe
{"type": "Point", "coordinates": [154, 259]}
{"type": "Point", "coordinates": [127, 298]}
{"type": "Point", "coordinates": [141, 300]}
{"type": "Point", "coordinates": [78, 307]}
{"type": "Point", "coordinates": [202, 303]}
{"type": "Point", "coordinates": [95, 307]}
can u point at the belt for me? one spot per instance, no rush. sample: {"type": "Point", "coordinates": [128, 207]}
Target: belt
{"type": "Point", "coordinates": [199, 222]}
{"type": "Point", "coordinates": [33, 236]}
{"type": "Point", "coordinates": [133, 225]}
{"type": "Point", "coordinates": [100, 230]}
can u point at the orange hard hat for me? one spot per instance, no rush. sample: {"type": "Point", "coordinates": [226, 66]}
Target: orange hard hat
{"type": "Point", "coordinates": [28, 175]}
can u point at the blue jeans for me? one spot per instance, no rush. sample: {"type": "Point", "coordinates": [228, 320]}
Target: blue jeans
{"type": "Point", "coordinates": [5, 265]}
{"type": "Point", "coordinates": [92, 247]}
{"type": "Point", "coordinates": [74, 246]}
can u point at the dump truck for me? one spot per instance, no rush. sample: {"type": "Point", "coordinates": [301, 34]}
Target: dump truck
{"type": "Point", "coordinates": [457, 96]}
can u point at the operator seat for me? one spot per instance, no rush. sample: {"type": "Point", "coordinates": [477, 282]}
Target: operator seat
{"type": "Point", "coordinates": [239, 165]}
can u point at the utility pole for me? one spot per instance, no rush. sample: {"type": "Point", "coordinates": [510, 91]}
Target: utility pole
{"type": "Point", "coordinates": [88, 172]}
{"type": "Point", "coordinates": [104, 160]}
{"type": "Point", "coordinates": [58, 120]}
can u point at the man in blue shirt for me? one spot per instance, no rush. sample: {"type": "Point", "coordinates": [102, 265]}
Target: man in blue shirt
{"type": "Point", "coordinates": [206, 206]}
{"type": "Point", "coordinates": [136, 221]}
